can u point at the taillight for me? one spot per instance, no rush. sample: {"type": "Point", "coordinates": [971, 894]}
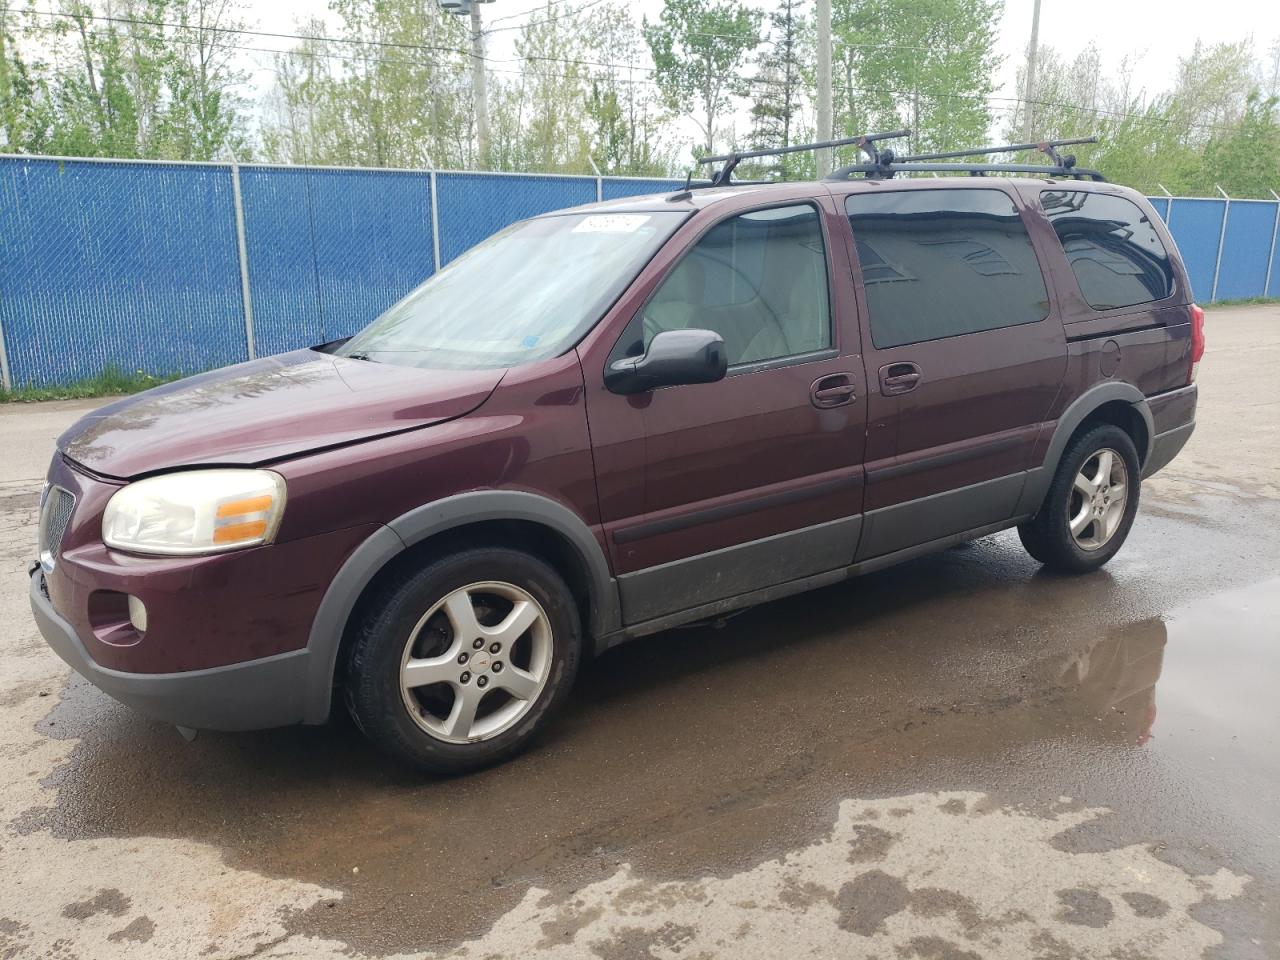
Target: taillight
{"type": "Point", "coordinates": [1197, 340]}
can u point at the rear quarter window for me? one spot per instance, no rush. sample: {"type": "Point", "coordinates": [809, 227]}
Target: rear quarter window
{"type": "Point", "coordinates": [943, 263]}
{"type": "Point", "coordinates": [1112, 246]}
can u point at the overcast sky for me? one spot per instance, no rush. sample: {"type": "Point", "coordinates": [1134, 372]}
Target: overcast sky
{"type": "Point", "coordinates": [1155, 34]}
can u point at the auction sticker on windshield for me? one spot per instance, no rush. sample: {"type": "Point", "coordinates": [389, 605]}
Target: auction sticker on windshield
{"type": "Point", "coordinates": [612, 223]}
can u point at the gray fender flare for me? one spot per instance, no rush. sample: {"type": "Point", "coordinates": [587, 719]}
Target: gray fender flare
{"type": "Point", "coordinates": [386, 543]}
{"type": "Point", "coordinates": [1039, 478]}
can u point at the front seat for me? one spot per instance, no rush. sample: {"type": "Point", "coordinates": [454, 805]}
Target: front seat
{"type": "Point", "coordinates": [676, 305]}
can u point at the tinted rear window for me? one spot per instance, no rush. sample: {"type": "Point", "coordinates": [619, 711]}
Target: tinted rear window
{"type": "Point", "coordinates": [1112, 246]}
{"type": "Point", "coordinates": [942, 263]}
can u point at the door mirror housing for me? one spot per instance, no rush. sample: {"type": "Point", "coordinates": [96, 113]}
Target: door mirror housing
{"type": "Point", "coordinates": [674, 357]}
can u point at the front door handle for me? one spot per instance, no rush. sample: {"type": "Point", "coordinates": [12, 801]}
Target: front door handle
{"type": "Point", "coordinates": [897, 378]}
{"type": "Point", "coordinates": [833, 390]}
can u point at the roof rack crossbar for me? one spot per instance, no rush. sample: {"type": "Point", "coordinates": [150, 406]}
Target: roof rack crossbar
{"type": "Point", "coordinates": [866, 142]}
{"type": "Point", "coordinates": [1047, 147]}
{"type": "Point", "coordinates": [881, 171]}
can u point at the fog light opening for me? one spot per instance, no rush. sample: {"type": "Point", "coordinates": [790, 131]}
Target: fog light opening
{"type": "Point", "coordinates": [137, 614]}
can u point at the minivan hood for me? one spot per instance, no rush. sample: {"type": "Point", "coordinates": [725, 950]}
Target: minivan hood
{"type": "Point", "coordinates": [267, 410]}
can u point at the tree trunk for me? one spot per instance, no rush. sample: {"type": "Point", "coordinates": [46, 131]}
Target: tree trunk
{"type": "Point", "coordinates": [709, 103]}
{"type": "Point", "coordinates": [92, 75]}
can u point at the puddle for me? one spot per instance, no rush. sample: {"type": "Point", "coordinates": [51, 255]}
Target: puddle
{"type": "Point", "coordinates": [1217, 702]}
{"type": "Point", "coordinates": [706, 752]}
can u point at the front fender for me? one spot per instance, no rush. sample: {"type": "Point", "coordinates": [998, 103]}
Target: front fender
{"type": "Point", "coordinates": [417, 525]}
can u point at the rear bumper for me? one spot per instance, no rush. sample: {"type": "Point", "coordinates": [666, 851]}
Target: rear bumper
{"type": "Point", "coordinates": [270, 692]}
{"type": "Point", "coordinates": [1166, 446]}
{"type": "Point", "coordinates": [1173, 415]}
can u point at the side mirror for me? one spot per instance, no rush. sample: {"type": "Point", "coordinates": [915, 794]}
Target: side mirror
{"type": "Point", "coordinates": [674, 357]}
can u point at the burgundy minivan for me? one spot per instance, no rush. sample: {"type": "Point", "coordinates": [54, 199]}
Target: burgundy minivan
{"type": "Point", "coordinates": [606, 421]}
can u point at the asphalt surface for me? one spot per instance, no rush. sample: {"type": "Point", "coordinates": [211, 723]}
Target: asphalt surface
{"type": "Point", "coordinates": [959, 758]}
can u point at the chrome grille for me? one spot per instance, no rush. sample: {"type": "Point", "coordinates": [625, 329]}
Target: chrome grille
{"type": "Point", "coordinates": [55, 514]}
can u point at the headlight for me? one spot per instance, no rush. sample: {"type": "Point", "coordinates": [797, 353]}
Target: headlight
{"type": "Point", "coordinates": [201, 511]}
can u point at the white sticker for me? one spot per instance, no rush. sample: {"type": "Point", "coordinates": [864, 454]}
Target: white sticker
{"type": "Point", "coordinates": [612, 223]}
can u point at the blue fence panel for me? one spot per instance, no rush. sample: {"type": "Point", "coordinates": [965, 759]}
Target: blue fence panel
{"type": "Point", "coordinates": [1196, 225]}
{"type": "Point", "coordinates": [372, 233]}
{"type": "Point", "coordinates": [614, 189]}
{"type": "Point", "coordinates": [1247, 249]}
{"type": "Point", "coordinates": [283, 284]}
{"type": "Point", "coordinates": [124, 265]}
{"type": "Point", "coordinates": [471, 206]}
{"type": "Point", "coordinates": [1162, 207]}
{"type": "Point", "coordinates": [136, 266]}
{"type": "Point", "coordinates": [329, 250]}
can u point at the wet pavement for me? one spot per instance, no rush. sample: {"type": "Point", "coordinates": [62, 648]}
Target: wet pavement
{"type": "Point", "coordinates": [960, 757]}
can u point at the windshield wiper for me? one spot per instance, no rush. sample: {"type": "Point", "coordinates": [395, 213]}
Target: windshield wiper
{"type": "Point", "coordinates": [361, 356]}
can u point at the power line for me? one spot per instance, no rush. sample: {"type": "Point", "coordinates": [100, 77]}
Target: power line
{"type": "Point", "coordinates": [401, 45]}
{"type": "Point", "coordinates": [435, 48]}
{"type": "Point", "coordinates": [387, 44]}
{"type": "Point", "coordinates": [539, 9]}
{"type": "Point", "coordinates": [359, 58]}
{"type": "Point", "coordinates": [567, 15]}
{"type": "Point", "coordinates": [245, 31]}
{"type": "Point", "coordinates": [394, 44]}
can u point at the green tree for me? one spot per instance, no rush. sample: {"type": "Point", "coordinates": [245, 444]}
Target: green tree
{"type": "Point", "coordinates": [927, 65]}
{"type": "Point", "coordinates": [303, 113]}
{"type": "Point", "coordinates": [1138, 139]}
{"type": "Point", "coordinates": [23, 106]}
{"type": "Point", "coordinates": [582, 97]}
{"type": "Point", "coordinates": [395, 94]}
{"type": "Point", "coordinates": [1245, 161]}
{"type": "Point", "coordinates": [549, 129]}
{"type": "Point", "coordinates": [779, 87]}
{"type": "Point", "coordinates": [624, 109]}
{"type": "Point", "coordinates": [204, 111]}
{"type": "Point", "coordinates": [150, 79]}
{"type": "Point", "coordinates": [698, 47]}
{"type": "Point", "coordinates": [1213, 86]}
{"type": "Point", "coordinates": [1213, 128]}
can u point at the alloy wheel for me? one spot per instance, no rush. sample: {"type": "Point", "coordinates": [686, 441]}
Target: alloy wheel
{"type": "Point", "coordinates": [1096, 506]}
{"type": "Point", "coordinates": [476, 662]}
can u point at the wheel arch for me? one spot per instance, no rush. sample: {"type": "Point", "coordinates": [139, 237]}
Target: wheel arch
{"type": "Point", "coordinates": [527, 521]}
{"type": "Point", "coordinates": [1121, 404]}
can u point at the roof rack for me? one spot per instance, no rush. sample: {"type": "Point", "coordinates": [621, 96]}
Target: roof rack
{"type": "Point", "coordinates": [722, 177]}
{"type": "Point", "coordinates": [886, 164]}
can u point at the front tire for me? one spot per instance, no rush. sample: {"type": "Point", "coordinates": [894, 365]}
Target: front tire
{"type": "Point", "coordinates": [1089, 509]}
{"type": "Point", "coordinates": [460, 664]}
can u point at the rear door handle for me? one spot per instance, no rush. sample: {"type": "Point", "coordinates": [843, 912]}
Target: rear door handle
{"type": "Point", "coordinates": [896, 378]}
{"type": "Point", "coordinates": [833, 390]}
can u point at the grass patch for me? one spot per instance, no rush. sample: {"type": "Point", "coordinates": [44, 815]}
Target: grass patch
{"type": "Point", "coordinates": [110, 382]}
{"type": "Point", "coordinates": [1242, 302]}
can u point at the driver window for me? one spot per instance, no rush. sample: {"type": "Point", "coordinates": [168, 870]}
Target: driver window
{"type": "Point", "coordinates": [758, 279]}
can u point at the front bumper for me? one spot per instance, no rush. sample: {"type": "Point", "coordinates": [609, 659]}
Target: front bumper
{"type": "Point", "coordinates": [253, 695]}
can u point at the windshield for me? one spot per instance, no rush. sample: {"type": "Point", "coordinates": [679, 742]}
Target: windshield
{"type": "Point", "coordinates": [525, 294]}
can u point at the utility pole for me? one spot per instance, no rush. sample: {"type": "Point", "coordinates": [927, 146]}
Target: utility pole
{"type": "Point", "coordinates": [824, 84]}
{"type": "Point", "coordinates": [480, 87]}
{"type": "Point", "coordinates": [479, 78]}
{"type": "Point", "coordinates": [1028, 128]}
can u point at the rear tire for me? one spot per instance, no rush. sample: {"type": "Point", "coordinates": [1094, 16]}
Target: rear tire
{"type": "Point", "coordinates": [460, 664]}
{"type": "Point", "coordinates": [1089, 508]}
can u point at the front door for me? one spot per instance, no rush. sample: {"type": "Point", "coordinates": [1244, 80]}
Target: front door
{"type": "Point", "coordinates": [964, 355]}
{"type": "Point", "coordinates": [711, 491]}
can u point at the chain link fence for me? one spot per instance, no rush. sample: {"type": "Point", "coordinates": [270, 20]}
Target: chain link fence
{"type": "Point", "coordinates": [167, 268]}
